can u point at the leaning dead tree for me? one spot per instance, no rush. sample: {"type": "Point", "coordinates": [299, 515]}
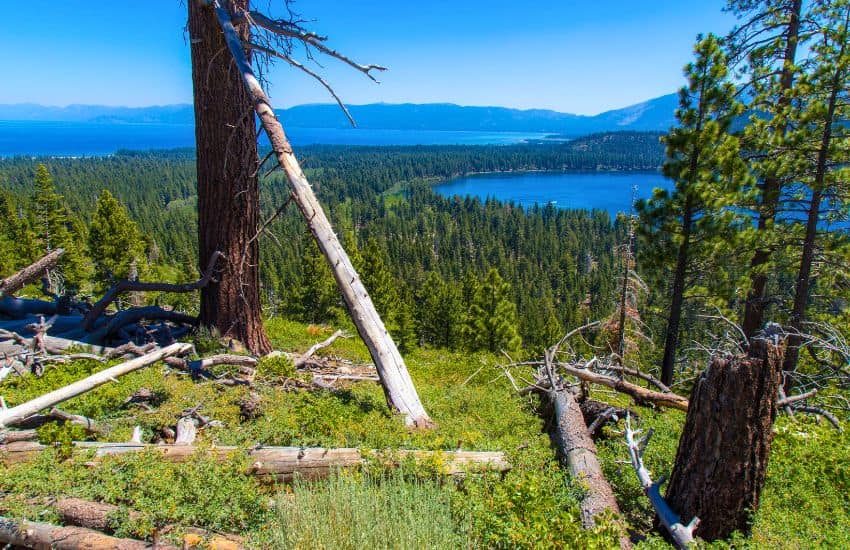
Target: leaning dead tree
{"type": "Point", "coordinates": [398, 386]}
{"type": "Point", "coordinates": [17, 281]}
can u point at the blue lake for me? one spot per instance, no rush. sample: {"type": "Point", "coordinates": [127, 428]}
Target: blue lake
{"type": "Point", "coordinates": [94, 139]}
{"type": "Point", "coordinates": [611, 191]}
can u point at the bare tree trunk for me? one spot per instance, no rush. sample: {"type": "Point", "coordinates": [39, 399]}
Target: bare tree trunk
{"type": "Point", "coordinates": [771, 188]}
{"type": "Point", "coordinates": [804, 274]}
{"type": "Point", "coordinates": [725, 443]}
{"type": "Point", "coordinates": [671, 341]}
{"type": "Point", "coordinates": [228, 192]}
{"type": "Point", "coordinates": [398, 386]}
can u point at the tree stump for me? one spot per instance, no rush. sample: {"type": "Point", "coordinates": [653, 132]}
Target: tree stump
{"type": "Point", "coordinates": [723, 451]}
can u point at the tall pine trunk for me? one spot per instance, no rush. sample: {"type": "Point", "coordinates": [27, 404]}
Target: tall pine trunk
{"type": "Point", "coordinates": [771, 189]}
{"type": "Point", "coordinates": [671, 341]}
{"type": "Point", "coordinates": [804, 274]}
{"type": "Point", "coordinates": [228, 191]}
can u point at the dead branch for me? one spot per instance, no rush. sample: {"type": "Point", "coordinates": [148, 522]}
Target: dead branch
{"type": "Point", "coordinates": [126, 285]}
{"type": "Point", "coordinates": [302, 360]}
{"type": "Point", "coordinates": [682, 535]}
{"type": "Point", "coordinates": [288, 30]}
{"type": "Point", "coordinates": [819, 411]}
{"type": "Point", "coordinates": [134, 315]}
{"type": "Point", "coordinates": [19, 280]}
{"type": "Point", "coordinates": [638, 374]}
{"type": "Point", "coordinates": [671, 400]}
{"type": "Point", "coordinates": [12, 415]}
{"type": "Point", "coordinates": [785, 401]}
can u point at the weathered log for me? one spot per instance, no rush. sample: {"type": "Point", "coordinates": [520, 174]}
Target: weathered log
{"type": "Point", "coordinates": [52, 344]}
{"type": "Point", "coordinates": [126, 285]}
{"type": "Point", "coordinates": [12, 415]}
{"type": "Point", "coordinates": [56, 415]}
{"type": "Point", "coordinates": [19, 280]}
{"type": "Point", "coordinates": [281, 463]}
{"type": "Point", "coordinates": [723, 451]}
{"type": "Point", "coordinates": [13, 436]}
{"type": "Point", "coordinates": [134, 315]}
{"type": "Point", "coordinates": [45, 536]}
{"type": "Point", "coordinates": [578, 453]}
{"type": "Point", "coordinates": [201, 365]}
{"type": "Point", "coordinates": [21, 308]}
{"type": "Point", "coordinates": [398, 386]}
{"type": "Point", "coordinates": [642, 375]}
{"type": "Point", "coordinates": [99, 516]}
{"type": "Point", "coordinates": [186, 431]}
{"type": "Point", "coordinates": [671, 400]}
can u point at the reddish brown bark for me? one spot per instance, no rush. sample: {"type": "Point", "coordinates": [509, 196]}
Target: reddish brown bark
{"type": "Point", "coordinates": [228, 191]}
{"type": "Point", "coordinates": [725, 443]}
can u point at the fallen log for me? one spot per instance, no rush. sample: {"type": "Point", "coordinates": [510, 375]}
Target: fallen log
{"type": "Point", "coordinates": [21, 308]}
{"type": "Point", "coordinates": [281, 463]}
{"type": "Point", "coordinates": [577, 449]}
{"type": "Point", "coordinates": [13, 436]}
{"type": "Point", "coordinates": [303, 359]}
{"type": "Point", "coordinates": [19, 280]}
{"type": "Point", "coordinates": [126, 285]}
{"type": "Point", "coordinates": [134, 315]}
{"type": "Point", "coordinates": [56, 415]}
{"type": "Point", "coordinates": [12, 415]}
{"type": "Point", "coordinates": [671, 400]}
{"type": "Point", "coordinates": [45, 536]}
{"type": "Point", "coordinates": [99, 516]}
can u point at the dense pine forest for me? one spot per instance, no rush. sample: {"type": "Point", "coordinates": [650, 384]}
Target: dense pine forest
{"type": "Point", "coordinates": [425, 257]}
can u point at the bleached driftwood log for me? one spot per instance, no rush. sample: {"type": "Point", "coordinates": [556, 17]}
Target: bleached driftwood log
{"type": "Point", "coordinates": [45, 536]}
{"type": "Point", "coordinates": [398, 386]}
{"type": "Point", "coordinates": [682, 535]}
{"type": "Point", "coordinates": [57, 415]}
{"type": "Point", "coordinates": [19, 280]}
{"type": "Point", "coordinates": [282, 463]}
{"type": "Point", "coordinates": [9, 417]}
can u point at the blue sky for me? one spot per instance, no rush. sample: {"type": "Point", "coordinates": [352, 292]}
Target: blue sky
{"type": "Point", "coordinates": [569, 55]}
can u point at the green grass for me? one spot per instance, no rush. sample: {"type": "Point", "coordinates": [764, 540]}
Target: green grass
{"type": "Point", "coordinates": [535, 505]}
{"type": "Point", "coordinates": [353, 511]}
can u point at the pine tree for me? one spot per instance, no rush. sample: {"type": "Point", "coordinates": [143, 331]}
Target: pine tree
{"type": "Point", "coordinates": [492, 323]}
{"type": "Point", "coordinates": [55, 229]}
{"type": "Point", "coordinates": [440, 312]}
{"type": "Point", "coordinates": [697, 220]}
{"type": "Point", "coordinates": [382, 286]}
{"type": "Point", "coordinates": [316, 298]}
{"type": "Point", "coordinates": [115, 242]}
{"type": "Point", "coordinates": [765, 46]}
{"type": "Point", "coordinates": [822, 138]}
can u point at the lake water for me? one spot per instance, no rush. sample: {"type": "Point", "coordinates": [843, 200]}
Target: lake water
{"type": "Point", "coordinates": [611, 191]}
{"type": "Point", "coordinates": [91, 139]}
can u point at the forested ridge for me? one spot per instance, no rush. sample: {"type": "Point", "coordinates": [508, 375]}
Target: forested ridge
{"type": "Point", "coordinates": [558, 264]}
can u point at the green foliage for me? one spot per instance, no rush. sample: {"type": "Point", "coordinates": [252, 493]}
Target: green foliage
{"type": "Point", "coordinates": [115, 243]}
{"type": "Point", "coordinates": [492, 320]}
{"type": "Point", "coordinates": [352, 512]}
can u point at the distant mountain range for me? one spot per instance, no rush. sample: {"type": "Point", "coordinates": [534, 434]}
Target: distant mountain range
{"type": "Point", "coordinates": [653, 115]}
